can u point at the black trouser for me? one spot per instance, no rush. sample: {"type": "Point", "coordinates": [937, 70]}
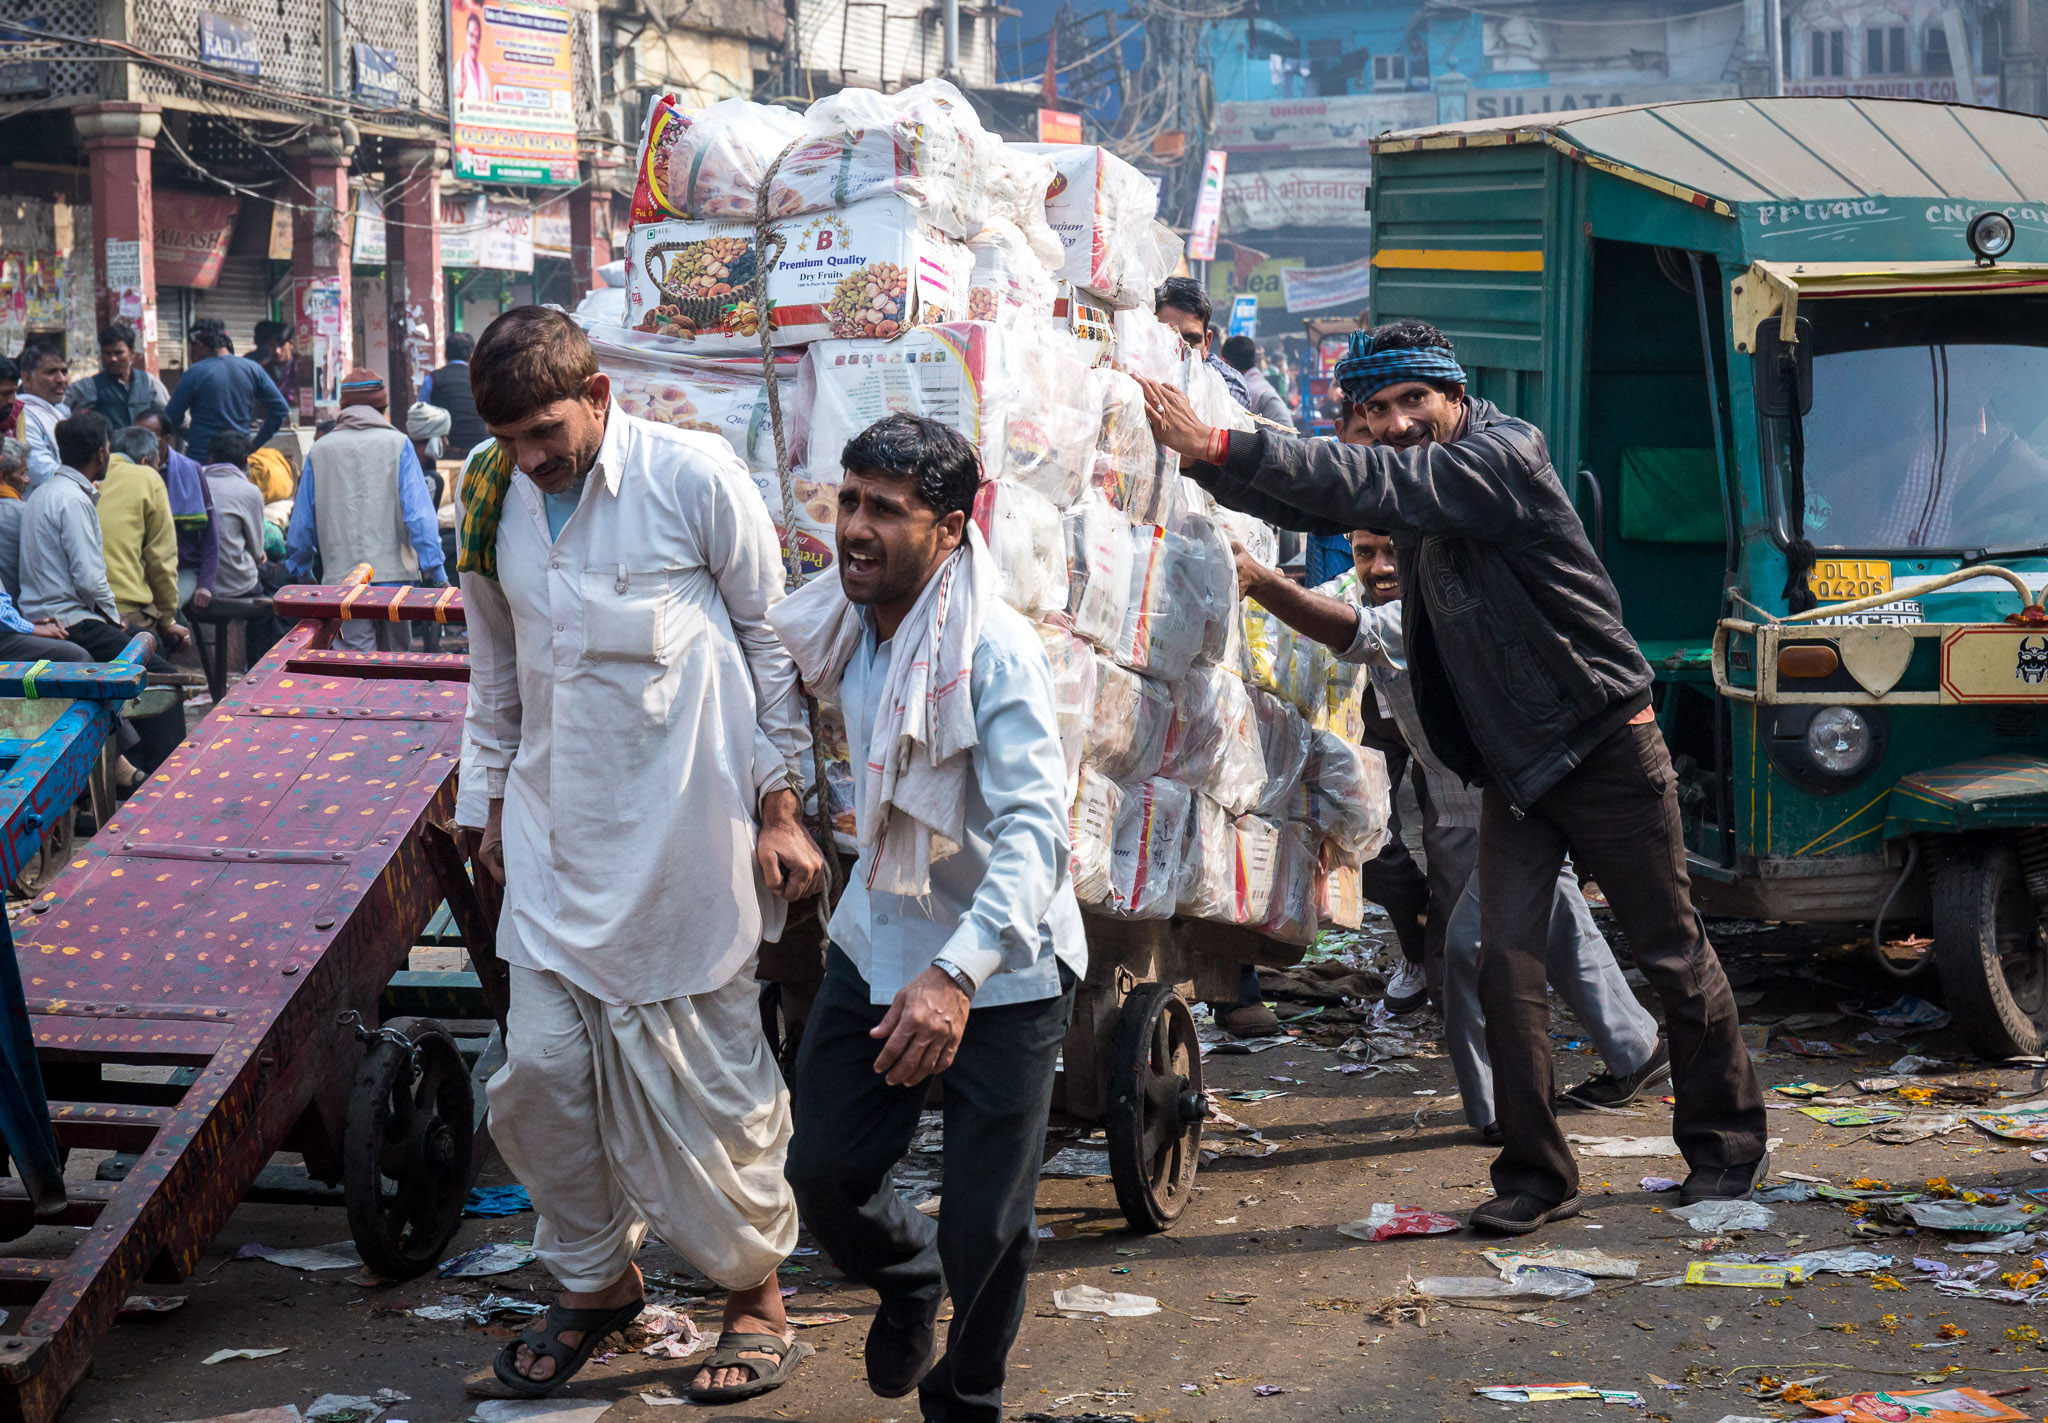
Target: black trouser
{"type": "Point", "coordinates": [852, 1127]}
{"type": "Point", "coordinates": [159, 734]}
{"type": "Point", "coordinates": [1392, 879]}
{"type": "Point", "coordinates": [26, 647]}
{"type": "Point", "coordinates": [1617, 815]}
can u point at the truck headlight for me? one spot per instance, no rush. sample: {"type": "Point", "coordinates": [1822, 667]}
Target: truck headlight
{"type": "Point", "coordinates": [1824, 748]}
{"type": "Point", "coordinates": [1839, 740]}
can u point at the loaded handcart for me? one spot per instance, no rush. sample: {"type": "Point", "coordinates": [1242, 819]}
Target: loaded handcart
{"type": "Point", "coordinates": [220, 975]}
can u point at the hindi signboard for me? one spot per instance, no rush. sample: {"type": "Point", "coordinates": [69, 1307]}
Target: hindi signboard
{"type": "Point", "coordinates": [513, 83]}
{"type": "Point", "coordinates": [1296, 197]}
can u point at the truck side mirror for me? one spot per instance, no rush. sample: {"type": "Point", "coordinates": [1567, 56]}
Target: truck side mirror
{"type": "Point", "coordinates": [1783, 368]}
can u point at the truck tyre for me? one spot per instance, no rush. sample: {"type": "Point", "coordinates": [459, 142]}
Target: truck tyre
{"type": "Point", "coordinates": [1990, 947]}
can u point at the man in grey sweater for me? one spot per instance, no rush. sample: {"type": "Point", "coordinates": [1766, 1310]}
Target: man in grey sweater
{"type": "Point", "coordinates": [238, 515]}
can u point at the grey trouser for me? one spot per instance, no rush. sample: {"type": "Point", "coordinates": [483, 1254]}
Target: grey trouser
{"type": "Point", "coordinates": [1580, 967]}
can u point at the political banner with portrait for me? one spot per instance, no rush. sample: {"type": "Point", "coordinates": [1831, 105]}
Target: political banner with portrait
{"type": "Point", "coordinates": [512, 86]}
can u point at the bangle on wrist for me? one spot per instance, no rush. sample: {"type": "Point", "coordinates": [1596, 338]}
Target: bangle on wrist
{"type": "Point", "coordinates": [1219, 447]}
{"type": "Point", "coordinates": [959, 976]}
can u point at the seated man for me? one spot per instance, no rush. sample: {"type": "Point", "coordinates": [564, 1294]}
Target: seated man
{"type": "Point", "coordinates": [138, 538]}
{"type": "Point", "coordinates": [238, 514]}
{"type": "Point", "coordinates": [64, 570]}
{"type": "Point", "coordinates": [957, 965]}
{"type": "Point", "coordinates": [13, 503]}
{"type": "Point", "coordinates": [191, 511]}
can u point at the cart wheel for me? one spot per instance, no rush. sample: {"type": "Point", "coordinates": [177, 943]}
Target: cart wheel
{"type": "Point", "coordinates": [1989, 944]}
{"type": "Point", "coordinates": [409, 1148]}
{"type": "Point", "coordinates": [1156, 1107]}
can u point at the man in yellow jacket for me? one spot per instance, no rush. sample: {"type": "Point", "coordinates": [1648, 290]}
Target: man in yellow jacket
{"type": "Point", "coordinates": [139, 539]}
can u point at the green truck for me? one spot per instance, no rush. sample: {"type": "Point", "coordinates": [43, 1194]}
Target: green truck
{"type": "Point", "coordinates": [1791, 356]}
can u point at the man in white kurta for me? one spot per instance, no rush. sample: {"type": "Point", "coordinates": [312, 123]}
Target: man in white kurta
{"type": "Point", "coordinates": [631, 716]}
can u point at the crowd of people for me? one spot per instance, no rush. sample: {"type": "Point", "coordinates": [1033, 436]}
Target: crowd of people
{"type": "Point", "coordinates": [624, 593]}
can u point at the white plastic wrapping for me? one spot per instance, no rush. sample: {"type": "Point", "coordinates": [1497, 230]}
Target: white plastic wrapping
{"type": "Point", "coordinates": [1268, 649]}
{"type": "Point", "coordinates": [1098, 569]}
{"type": "Point", "coordinates": [1218, 571]}
{"type": "Point", "coordinates": [1258, 853]}
{"type": "Point", "coordinates": [1147, 346]}
{"type": "Point", "coordinates": [1008, 283]}
{"type": "Point", "coordinates": [1212, 742]}
{"type": "Point", "coordinates": [923, 144]}
{"type": "Point", "coordinates": [1344, 684]}
{"type": "Point", "coordinates": [1166, 619]}
{"type": "Point", "coordinates": [1350, 799]}
{"type": "Point", "coordinates": [1102, 208]}
{"type": "Point", "coordinates": [1283, 736]}
{"type": "Point", "coordinates": [943, 372]}
{"type": "Point", "coordinates": [1208, 887]}
{"type": "Point", "coordinates": [1291, 912]}
{"type": "Point", "coordinates": [1145, 850]}
{"type": "Point", "coordinates": [1029, 546]}
{"type": "Point", "coordinates": [1127, 731]}
{"type": "Point", "coordinates": [1091, 824]}
{"type": "Point", "coordinates": [1073, 692]}
{"type": "Point", "coordinates": [1340, 898]}
{"type": "Point", "coordinates": [724, 396]}
{"type": "Point", "coordinates": [1054, 411]}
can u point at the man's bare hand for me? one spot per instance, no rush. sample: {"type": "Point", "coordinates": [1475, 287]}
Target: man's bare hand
{"type": "Point", "coordinates": [203, 597]}
{"type": "Point", "coordinates": [1252, 575]}
{"type": "Point", "coordinates": [922, 1029]}
{"type": "Point", "coordinates": [50, 627]}
{"type": "Point", "coordinates": [176, 634]}
{"type": "Point", "coordinates": [490, 849]}
{"type": "Point", "coordinates": [1174, 422]}
{"type": "Point", "coordinates": [791, 865]}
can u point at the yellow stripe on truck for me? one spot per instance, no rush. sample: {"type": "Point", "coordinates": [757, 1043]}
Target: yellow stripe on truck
{"type": "Point", "coordinates": [1457, 260]}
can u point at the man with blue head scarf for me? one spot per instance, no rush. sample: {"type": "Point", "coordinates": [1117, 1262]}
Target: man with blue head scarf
{"type": "Point", "coordinates": [1532, 689]}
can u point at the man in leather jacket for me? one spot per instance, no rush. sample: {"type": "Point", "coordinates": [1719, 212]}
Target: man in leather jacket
{"type": "Point", "coordinates": [1531, 688]}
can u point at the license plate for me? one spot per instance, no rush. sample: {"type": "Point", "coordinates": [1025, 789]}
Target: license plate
{"type": "Point", "coordinates": [1837, 580]}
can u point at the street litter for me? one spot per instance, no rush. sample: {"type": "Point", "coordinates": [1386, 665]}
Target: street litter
{"type": "Point", "coordinates": [1658, 1183]}
{"type": "Point", "coordinates": [1239, 1046]}
{"type": "Point", "coordinates": [1254, 1094]}
{"type": "Point", "coordinates": [1810, 1047]}
{"type": "Point", "coordinates": [1806, 1022]}
{"type": "Point", "coordinates": [1784, 1191]}
{"type": "Point", "coordinates": [818, 1320]}
{"type": "Point", "coordinates": [284, 1413]}
{"type": "Point", "coordinates": [2031, 1125]}
{"type": "Point", "coordinates": [1596, 1263]}
{"type": "Point", "coordinates": [221, 1356]}
{"type": "Point", "coordinates": [1267, 1390]}
{"type": "Point", "coordinates": [1800, 1089]}
{"type": "Point", "coordinates": [353, 1408]}
{"type": "Point", "coordinates": [1087, 1302]}
{"type": "Point", "coordinates": [1719, 1217]}
{"type": "Point", "coordinates": [1852, 1116]}
{"type": "Point", "coordinates": [1963, 1215]}
{"type": "Point", "coordinates": [1524, 1280]}
{"type": "Point", "coordinates": [1926, 1405]}
{"type": "Point", "coordinates": [151, 1304]}
{"type": "Point", "coordinates": [1879, 1084]}
{"type": "Point", "coordinates": [1250, 1144]}
{"type": "Point", "coordinates": [1839, 1262]}
{"type": "Point", "coordinates": [672, 1333]}
{"type": "Point", "coordinates": [491, 1202]}
{"type": "Point", "coordinates": [487, 1260]}
{"type": "Point", "coordinates": [1076, 1161]}
{"type": "Point", "coordinates": [1909, 1012]}
{"type": "Point", "coordinates": [1230, 1297]}
{"type": "Point", "coordinates": [1623, 1145]}
{"type": "Point", "coordinates": [1718, 1272]}
{"type": "Point", "coordinates": [1914, 1129]}
{"type": "Point", "coordinates": [1912, 1063]}
{"type": "Point", "coordinates": [339, 1256]}
{"type": "Point", "coordinates": [1557, 1393]}
{"type": "Point", "coordinates": [2028, 1241]}
{"type": "Point", "coordinates": [1385, 1221]}
{"type": "Point", "coordinates": [540, 1410]}
{"type": "Point", "coordinates": [454, 1307]}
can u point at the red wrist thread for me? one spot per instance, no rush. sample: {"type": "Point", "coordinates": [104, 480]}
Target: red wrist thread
{"type": "Point", "coordinates": [1219, 447]}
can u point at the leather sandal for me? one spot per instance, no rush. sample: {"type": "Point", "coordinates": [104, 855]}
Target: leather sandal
{"type": "Point", "coordinates": [546, 1343]}
{"type": "Point", "coordinates": [730, 1354]}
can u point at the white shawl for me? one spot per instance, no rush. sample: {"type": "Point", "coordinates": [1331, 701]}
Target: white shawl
{"type": "Point", "coordinates": [914, 802]}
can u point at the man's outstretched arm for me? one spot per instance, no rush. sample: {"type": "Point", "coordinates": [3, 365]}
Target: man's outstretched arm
{"type": "Point", "coordinates": [1330, 621]}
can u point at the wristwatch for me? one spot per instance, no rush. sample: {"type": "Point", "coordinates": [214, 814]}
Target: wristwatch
{"type": "Point", "coordinates": [959, 977]}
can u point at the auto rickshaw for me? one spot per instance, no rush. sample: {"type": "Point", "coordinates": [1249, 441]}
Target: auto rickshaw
{"type": "Point", "coordinates": [1791, 356]}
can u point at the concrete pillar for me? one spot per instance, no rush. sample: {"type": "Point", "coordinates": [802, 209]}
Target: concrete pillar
{"type": "Point", "coordinates": [2020, 71]}
{"type": "Point", "coordinates": [119, 138]}
{"type": "Point", "coordinates": [1756, 53]}
{"type": "Point", "coordinates": [590, 228]}
{"type": "Point", "coordinates": [321, 276]}
{"type": "Point", "coordinates": [412, 268]}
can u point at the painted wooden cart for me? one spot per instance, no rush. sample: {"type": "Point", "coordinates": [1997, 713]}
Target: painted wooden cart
{"type": "Point", "coordinates": [205, 983]}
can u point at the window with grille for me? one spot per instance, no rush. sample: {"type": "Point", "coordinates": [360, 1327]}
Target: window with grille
{"type": "Point", "coordinates": [1885, 50]}
{"type": "Point", "coordinates": [1827, 59]}
{"type": "Point", "coordinates": [1934, 51]}
{"type": "Point", "coordinates": [1389, 69]}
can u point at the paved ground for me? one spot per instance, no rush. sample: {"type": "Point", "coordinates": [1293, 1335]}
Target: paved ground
{"type": "Point", "coordinates": [1327, 1320]}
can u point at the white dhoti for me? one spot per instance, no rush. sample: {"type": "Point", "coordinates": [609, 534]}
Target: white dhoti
{"type": "Point", "coordinates": [671, 1115]}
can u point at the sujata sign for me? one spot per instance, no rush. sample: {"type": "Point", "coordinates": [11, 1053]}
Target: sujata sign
{"type": "Point", "coordinates": [1510, 103]}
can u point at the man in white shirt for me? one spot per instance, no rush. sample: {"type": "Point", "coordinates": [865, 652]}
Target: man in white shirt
{"type": "Point", "coordinates": [631, 716]}
{"type": "Point", "coordinates": [958, 941]}
{"type": "Point", "coordinates": [45, 381]}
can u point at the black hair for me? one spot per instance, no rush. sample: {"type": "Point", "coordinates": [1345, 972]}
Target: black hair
{"type": "Point", "coordinates": [1240, 353]}
{"type": "Point", "coordinates": [9, 370]}
{"type": "Point", "coordinates": [210, 333]}
{"type": "Point", "coordinates": [460, 346]}
{"type": "Point", "coordinates": [940, 460]}
{"type": "Point", "coordinates": [1407, 334]}
{"type": "Point", "coordinates": [529, 358]}
{"type": "Point", "coordinates": [229, 447]}
{"type": "Point", "coordinates": [1183, 294]}
{"type": "Point", "coordinates": [83, 436]}
{"type": "Point", "coordinates": [119, 334]}
{"type": "Point", "coordinates": [272, 334]}
{"type": "Point", "coordinates": [36, 352]}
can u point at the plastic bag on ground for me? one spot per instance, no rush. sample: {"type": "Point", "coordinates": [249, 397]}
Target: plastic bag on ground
{"type": "Point", "coordinates": [1386, 1221]}
{"type": "Point", "coordinates": [1530, 1280]}
{"type": "Point", "coordinates": [1073, 692]}
{"type": "Point", "coordinates": [1091, 821]}
{"type": "Point", "coordinates": [1291, 913]}
{"type": "Point", "coordinates": [1127, 731]}
{"type": "Point", "coordinates": [1087, 1302]}
{"type": "Point", "coordinates": [1098, 570]}
{"type": "Point", "coordinates": [1283, 739]}
{"type": "Point", "coordinates": [1145, 849]}
{"type": "Point", "coordinates": [1029, 544]}
{"type": "Point", "coordinates": [924, 144]}
{"type": "Point", "coordinates": [1720, 1217]}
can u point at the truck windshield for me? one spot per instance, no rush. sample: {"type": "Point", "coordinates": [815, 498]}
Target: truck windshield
{"type": "Point", "coordinates": [1929, 428]}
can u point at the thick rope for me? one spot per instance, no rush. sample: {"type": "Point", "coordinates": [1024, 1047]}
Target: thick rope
{"type": "Point", "coordinates": [767, 251]}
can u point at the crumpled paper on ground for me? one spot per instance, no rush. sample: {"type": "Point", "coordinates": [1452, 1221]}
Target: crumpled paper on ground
{"type": "Point", "coordinates": [1385, 1222]}
{"type": "Point", "coordinates": [1597, 1263]}
{"type": "Point", "coordinates": [487, 1260]}
{"type": "Point", "coordinates": [1962, 1215]}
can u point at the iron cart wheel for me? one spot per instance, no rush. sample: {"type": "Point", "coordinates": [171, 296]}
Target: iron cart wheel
{"type": "Point", "coordinates": [409, 1147]}
{"type": "Point", "coordinates": [1990, 947]}
{"type": "Point", "coordinates": [1155, 1107]}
